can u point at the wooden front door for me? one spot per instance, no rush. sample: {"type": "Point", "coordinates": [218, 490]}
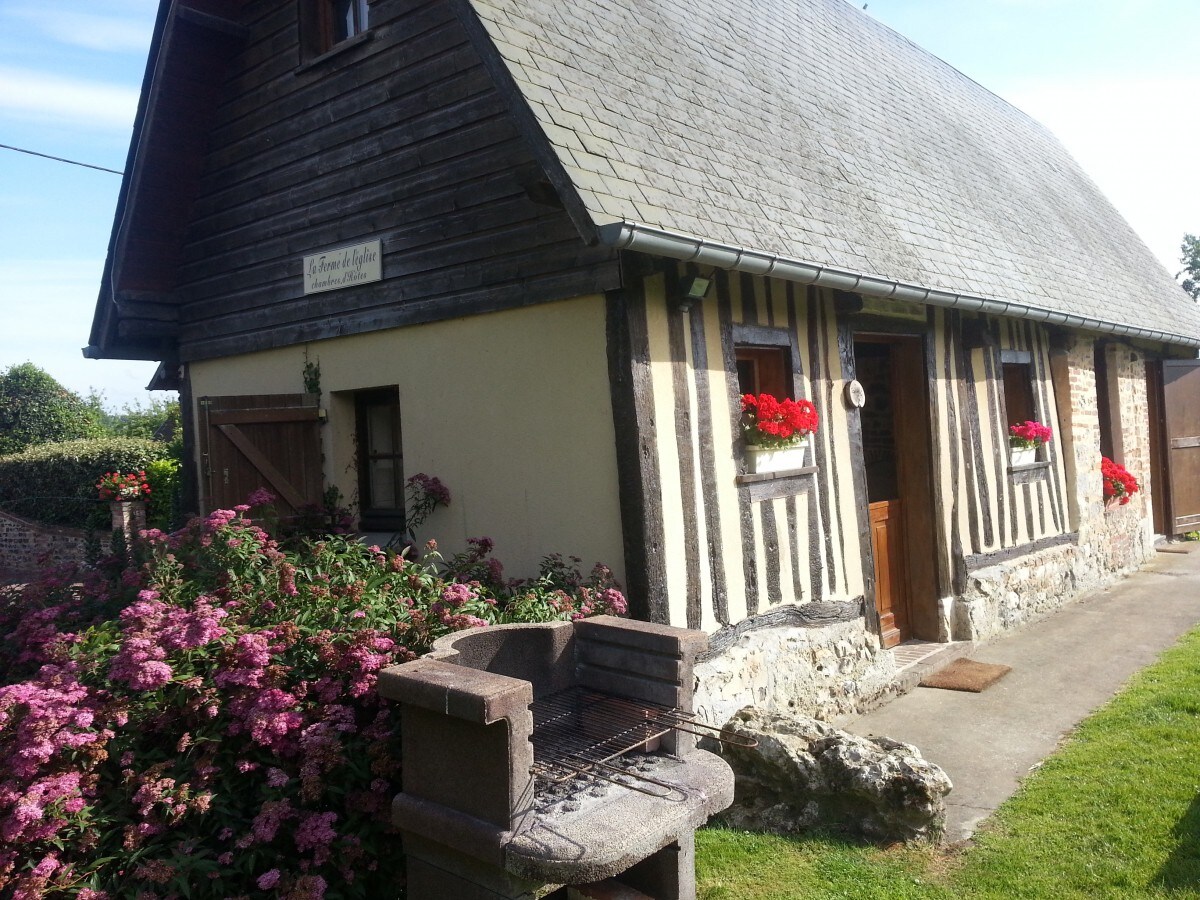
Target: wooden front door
{"type": "Point", "coordinates": [891, 573]}
{"type": "Point", "coordinates": [1181, 412]}
{"type": "Point", "coordinates": [895, 454]}
{"type": "Point", "coordinates": [270, 441]}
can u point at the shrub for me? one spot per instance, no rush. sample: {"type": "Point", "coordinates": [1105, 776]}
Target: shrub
{"type": "Point", "coordinates": [164, 511]}
{"type": "Point", "coordinates": [201, 719]}
{"type": "Point", "coordinates": [36, 409]}
{"type": "Point", "coordinates": [56, 483]}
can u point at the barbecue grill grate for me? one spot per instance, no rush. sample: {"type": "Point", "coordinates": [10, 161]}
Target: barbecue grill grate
{"type": "Point", "coordinates": [580, 731]}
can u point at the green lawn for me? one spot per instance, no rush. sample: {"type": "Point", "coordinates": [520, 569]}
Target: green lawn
{"type": "Point", "coordinates": [1116, 813]}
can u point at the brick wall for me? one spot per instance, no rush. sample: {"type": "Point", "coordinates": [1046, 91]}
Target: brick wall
{"type": "Point", "coordinates": [26, 547]}
{"type": "Point", "coordinates": [1120, 537]}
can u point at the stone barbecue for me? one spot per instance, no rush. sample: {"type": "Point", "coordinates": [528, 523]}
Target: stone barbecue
{"type": "Point", "coordinates": [554, 760]}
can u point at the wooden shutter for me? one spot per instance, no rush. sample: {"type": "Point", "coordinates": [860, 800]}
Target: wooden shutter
{"type": "Point", "coordinates": [1181, 406]}
{"type": "Point", "coordinates": [270, 441]}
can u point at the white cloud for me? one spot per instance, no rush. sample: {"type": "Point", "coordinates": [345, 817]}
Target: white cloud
{"type": "Point", "coordinates": [107, 33]}
{"type": "Point", "coordinates": [1138, 141]}
{"type": "Point", "coordinates": [39, 96]}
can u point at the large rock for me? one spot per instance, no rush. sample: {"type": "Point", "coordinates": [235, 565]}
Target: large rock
{"type": "Point", "coordinates": [805, 774]}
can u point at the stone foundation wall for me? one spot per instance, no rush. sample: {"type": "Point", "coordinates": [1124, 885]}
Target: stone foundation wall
{"type": "Point", "coordinates": [1014, 593]}
{"type": "Point", "coordinates": [826, 672]}
{"type": "Point", "coordinates": [26, 547]}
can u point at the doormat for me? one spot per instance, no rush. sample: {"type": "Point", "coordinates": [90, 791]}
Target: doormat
{"type": "Point", "coordinates": [966, 675]}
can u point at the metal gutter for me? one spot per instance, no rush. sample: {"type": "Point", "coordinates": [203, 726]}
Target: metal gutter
{"type": "Point", "coordinates": [625, 235]}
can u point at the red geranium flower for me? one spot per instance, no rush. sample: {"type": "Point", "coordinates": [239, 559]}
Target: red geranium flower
{"type": "Point", "coordinates": [1118, 483]}
{"type": "Point", "coordinates": [774, 423]}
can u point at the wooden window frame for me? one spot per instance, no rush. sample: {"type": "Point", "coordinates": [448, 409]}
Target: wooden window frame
{"type": "Point", "coordinates": [767, 353]}
{"type": "Point", "coordinates": [319, 25]}
{"type": "Point", "coordinates": [1017, 387]}
{"type": "Point", "coordinates": [1108, 424]}
{"type": "Point", "coordinates": [372, 518]}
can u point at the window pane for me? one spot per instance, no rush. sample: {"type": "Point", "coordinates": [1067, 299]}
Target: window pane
{"type": "Point", "coordinates": [1018, 393]}
{"type": "Point", "coordinates": [343, 19]}
{"type": "Point", "coordinates": [764, 370]}
{"type": "Point", "coordinates": [380, 430]}
{"type": "Point", "coordinates": [383, 484]}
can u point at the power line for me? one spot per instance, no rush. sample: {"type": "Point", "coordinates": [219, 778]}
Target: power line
{"type": "Point", "coordinates": [60, 159]}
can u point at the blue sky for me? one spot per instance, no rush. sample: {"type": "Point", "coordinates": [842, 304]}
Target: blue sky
{"type": "Point", "coordinates": [1114, 79]}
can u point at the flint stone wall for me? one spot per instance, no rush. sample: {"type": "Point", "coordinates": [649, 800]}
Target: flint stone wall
{"type": "Point", "coordinates": [27, 547]}
{"type": "Point", "coordinates": [826, 671]}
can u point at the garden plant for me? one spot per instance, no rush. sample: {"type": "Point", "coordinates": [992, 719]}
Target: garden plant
{"type": "Point", "coordinates": [196, 717]}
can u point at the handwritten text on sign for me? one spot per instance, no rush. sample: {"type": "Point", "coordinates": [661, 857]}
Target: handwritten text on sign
{"type": "Point", "coordinates": [343, 267]}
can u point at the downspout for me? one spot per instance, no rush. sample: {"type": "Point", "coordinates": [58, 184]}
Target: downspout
{"type": "Point", "coordinates": [654, 241]}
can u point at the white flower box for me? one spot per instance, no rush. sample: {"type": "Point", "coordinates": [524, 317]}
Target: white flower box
{"type": "Point", "coordinates": [761, 460]}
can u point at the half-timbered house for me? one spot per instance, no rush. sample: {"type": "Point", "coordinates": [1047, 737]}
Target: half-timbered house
{"type": "Point", "coordinates": [540, 249]}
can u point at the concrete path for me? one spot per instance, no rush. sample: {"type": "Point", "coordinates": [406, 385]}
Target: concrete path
{"type": "Point", "coordinates": [1064, 667]}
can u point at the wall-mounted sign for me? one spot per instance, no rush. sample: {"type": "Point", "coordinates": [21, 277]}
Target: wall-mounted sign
{"type": "Point", "coordinates": [900, 309]}
{"type": "Point", "coordinates": [343, 267]}
{"type": "Point", "coordinates": [856, 397]}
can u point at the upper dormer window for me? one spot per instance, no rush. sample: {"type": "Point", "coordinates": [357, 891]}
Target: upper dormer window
{"type": "Point", "coordinates": [349, 17]}
{"type": "Point", "coordinates": [324, 24]}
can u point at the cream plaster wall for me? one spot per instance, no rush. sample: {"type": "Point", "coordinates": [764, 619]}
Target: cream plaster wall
{"type": "Point", "coordinates": [511, 410]}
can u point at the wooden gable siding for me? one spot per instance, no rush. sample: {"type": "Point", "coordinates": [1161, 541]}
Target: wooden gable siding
{"type": "Point", "coordinates": [728, 547]}
{"type": "Point", "coordinates": [400, 137]}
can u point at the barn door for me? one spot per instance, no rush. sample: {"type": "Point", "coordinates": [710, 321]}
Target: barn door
{"type": "Point", "coordinates": [1181, 412]}
{"type": "Point", "coordinates": [270, 441]}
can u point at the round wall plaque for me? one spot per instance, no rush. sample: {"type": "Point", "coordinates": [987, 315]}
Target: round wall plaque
{"type": "Point", "coordinates": [856, 396]}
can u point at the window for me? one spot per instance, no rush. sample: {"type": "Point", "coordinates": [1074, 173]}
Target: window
{"type": "Point", "coordinates": [349, 17]}
{"type": "Point", "coordinates": [1018, 393]}
{"type": "Point", "coordinates": [764, 370]}
{"type": "Point", "coordinates": [380, 460]}
{"type": "Point", "coordinates": [1104, 403]}
{"type": "Point", "coordinates": [326, 23]}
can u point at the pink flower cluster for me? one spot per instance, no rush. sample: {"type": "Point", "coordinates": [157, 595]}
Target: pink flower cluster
{"type": "Point", "coordinates": [215, 694]}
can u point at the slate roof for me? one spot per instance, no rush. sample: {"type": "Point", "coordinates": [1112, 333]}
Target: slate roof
{"type": "Point", "coordinates": [807, 129]}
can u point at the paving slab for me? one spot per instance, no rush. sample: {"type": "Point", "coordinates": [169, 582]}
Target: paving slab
{"type": "Point", "coordinates": [1063, 668]}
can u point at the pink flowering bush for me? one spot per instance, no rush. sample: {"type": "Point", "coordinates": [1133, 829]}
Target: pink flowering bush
{"type": "Point", "coordinates": [200, 719]}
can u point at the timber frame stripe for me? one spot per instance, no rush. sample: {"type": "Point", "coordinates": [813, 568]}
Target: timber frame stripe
{"type": "Point", "coordinates": [858, 472]}
{"type": "Point", "coordinates": [684, 442]}
{"type": "Point", "coordinates": [999, 458]}
{"type": "Point", "coordinates": [972, 441]}
{"type": "Point", "coordinates": [708, 466]}
{"type": "Point", "coordinates": [637, 453]}
{"type": "Point", "coordinates": [745, 512]}
{"type": "Point", "coordinates": [814, 575]}
{"type": "Point", "coordinates": [822, 459]}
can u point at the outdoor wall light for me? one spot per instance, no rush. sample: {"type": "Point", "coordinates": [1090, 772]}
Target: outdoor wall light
{"type": "Point", "coordinates": [691, 290]}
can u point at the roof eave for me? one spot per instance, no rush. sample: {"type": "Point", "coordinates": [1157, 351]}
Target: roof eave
{"type": "Point", "coordinates": [655, 241]}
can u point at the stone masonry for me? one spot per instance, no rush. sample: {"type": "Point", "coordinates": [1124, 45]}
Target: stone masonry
{"type": "Point", "coordinates": [824, 672]}
{"type": "Point", "coordinates": [25, 547]}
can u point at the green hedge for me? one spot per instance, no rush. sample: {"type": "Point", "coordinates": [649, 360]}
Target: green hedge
{"type": "Point", "coordinates": [55, 484]}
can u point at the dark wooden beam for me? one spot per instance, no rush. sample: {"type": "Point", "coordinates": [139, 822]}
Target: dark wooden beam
{"type": "Point", "coordinates": [847, 303]}
{"type": "Point", "coordinates": [975, 334]}
{"type": "Point", "coordinates": [815, 614]}
{"type": "Point", "coordinates": [157, 310]}
{"type": "Point", "coordinates": [140, 329]}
